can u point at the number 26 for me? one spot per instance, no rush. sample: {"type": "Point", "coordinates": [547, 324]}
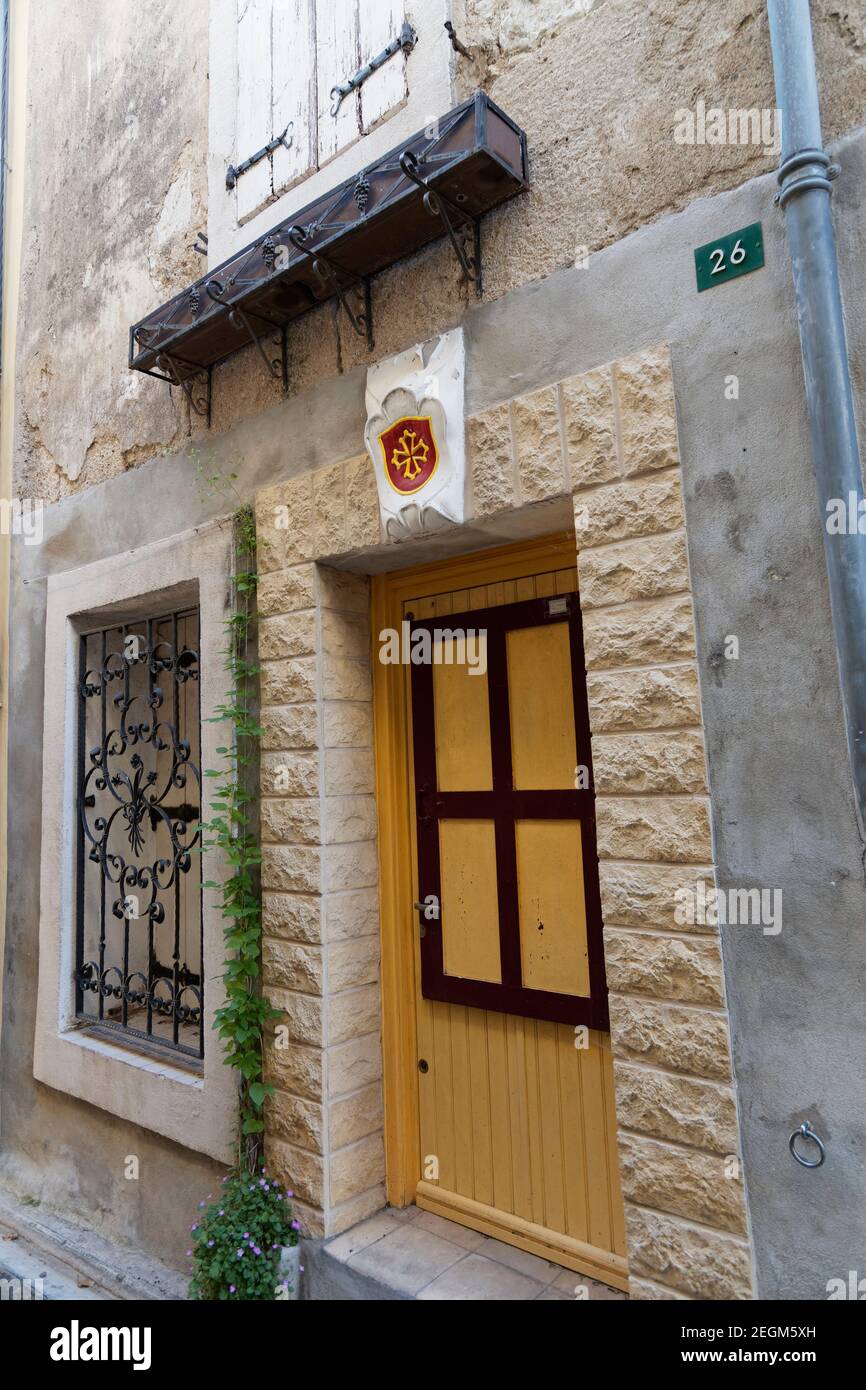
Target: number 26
{"type": "Point", "coordinates": [738, 255]}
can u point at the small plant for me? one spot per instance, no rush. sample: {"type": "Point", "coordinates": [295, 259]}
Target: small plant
{"type": "Point", "coordinates": [238, 1238]}
{"type": "Point", "coordinates": [237, 1241]}
{"type": "Point", "coordinates": [233, 829]}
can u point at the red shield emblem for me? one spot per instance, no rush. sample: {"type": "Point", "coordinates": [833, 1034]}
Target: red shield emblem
{"type": "Point", "coordinates": [409, 452]}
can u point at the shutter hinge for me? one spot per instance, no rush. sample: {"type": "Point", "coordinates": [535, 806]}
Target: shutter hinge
{"type": "Point", "coordinates": [234, 171]}
{"type": "Point", "coordinates": [405, 42]}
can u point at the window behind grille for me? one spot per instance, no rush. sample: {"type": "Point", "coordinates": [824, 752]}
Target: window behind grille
{"type": "Point", "coordinates": [139, 921]}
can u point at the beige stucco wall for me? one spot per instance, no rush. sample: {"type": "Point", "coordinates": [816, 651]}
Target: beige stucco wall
{"type": "Point", "coordinates": [609, 440]}
{"type": "Point", "coordinates": [123, 145]}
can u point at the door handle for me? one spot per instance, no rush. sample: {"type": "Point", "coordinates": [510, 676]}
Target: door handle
{"type": "Point", "coordinates": [428, 911]}
{"type": "Point", "coordinates": [422, 927]}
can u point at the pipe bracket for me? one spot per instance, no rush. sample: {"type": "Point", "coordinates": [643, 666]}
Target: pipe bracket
{"type": "Point", "coordinates": [805, 160]}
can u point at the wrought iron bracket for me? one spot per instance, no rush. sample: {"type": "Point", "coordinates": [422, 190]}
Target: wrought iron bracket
{"type": "Point", "coordinates": [437, 206]}
{"type": "Point", "coordinates": [234, 171]}
{"type": "Point", "coordinates": [196, 384]}
{"type": "Point", "coordinates": [328, 272]}
{"type": "Point", "coordinates": [276, 367]}
{"type": "Point", "coordinates": [455, 42]}
{"type": "Point", "coordinates": [405, 41]}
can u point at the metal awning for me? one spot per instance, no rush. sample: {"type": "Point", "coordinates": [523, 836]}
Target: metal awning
{"type": "Point", "coordinates": [438, 183]}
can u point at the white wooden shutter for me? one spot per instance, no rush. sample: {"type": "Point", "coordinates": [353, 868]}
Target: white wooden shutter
{"type": "Point", "coordinates": [337, 60]}
{"type": "Point", "coordinates": [293, 53]}
{"type": "Point", "coordinates": [276, 84]}
{"type": "Point", "coordinates": [380, 22]}
{"type": "Point", "coordinates": [253, 124]}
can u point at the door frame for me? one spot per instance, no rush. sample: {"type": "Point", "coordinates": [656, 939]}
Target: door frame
{"type": "Point", "coordinates": [395, 812]}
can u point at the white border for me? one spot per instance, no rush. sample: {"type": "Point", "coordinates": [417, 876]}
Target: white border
{"type": "Point", "coordinates": [195, 1109]}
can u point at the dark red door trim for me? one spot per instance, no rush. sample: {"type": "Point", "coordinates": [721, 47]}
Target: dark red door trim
{"type": "Point", "coordinates": [503, 805]}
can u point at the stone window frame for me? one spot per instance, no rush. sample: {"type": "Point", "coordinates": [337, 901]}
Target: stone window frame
{"type": "Point", "coordinates": [194, 1107]}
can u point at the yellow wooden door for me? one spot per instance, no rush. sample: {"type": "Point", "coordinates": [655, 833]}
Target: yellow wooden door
{"type": "Point", "coordinates": [515, 1115]}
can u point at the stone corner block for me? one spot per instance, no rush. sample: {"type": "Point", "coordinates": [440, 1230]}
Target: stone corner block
{"type": "Point", "coordinates": [491, 460]}
{"type": "Point", "coordinates": [648, 423]}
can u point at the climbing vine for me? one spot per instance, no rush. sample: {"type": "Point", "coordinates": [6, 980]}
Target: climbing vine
{"type": "Point", "coordinates": [233, 830]}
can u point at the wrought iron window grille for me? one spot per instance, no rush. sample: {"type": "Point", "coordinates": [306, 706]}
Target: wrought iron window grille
{"type": "Point", "coordinates": [439, 183]}
{"type": "Point", "coordinates": [139, 942]}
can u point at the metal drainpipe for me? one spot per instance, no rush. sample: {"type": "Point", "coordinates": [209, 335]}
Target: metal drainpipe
{"type": "Point", "coordinates": [804, 177]}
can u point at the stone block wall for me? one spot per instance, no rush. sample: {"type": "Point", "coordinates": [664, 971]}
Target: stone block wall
{"type": "Point", "coordinates": [319, 872]}
{"type": "Point", "coordinates": [609, 439]}
{"type": "Point", "coordinates": [676, 1108]}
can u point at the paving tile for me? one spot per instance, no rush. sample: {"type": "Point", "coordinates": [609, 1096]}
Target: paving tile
{"type": "Point", "coordinates": [449, 1230]}
{"type": "Point", "coordinates": [403, 1214]}
{"type": "Point", "coordinates": [344, 1246]}
{"type": "Point", "coordinates": [407, 1259]}
{"type": "Point", "coordinates": [543, 1271]}
{"type": "Point", "coordinates": [477, 1279]}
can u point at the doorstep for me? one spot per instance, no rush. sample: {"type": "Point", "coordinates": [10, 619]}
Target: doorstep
{"type": "Point", "coordinates": [414, 1254]}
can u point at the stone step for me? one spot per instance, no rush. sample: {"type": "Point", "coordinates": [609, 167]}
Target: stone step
{"type": "Point", "coordinates": [413, 1254]}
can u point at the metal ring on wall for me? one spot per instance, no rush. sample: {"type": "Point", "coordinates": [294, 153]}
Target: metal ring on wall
{"type": "Point", "coordinates": [807, 1132]}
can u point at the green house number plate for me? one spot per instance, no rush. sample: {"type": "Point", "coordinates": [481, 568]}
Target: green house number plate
{"type": "Point", "coordinates": [729, 256]}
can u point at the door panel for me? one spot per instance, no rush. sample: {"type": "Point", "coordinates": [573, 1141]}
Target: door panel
{"type": "Point", "coordinates": [516, 1120]}
{"type": "Point", "coordinates": [470, 933]}
{"type": "Point", "coordinates": [543, 750]}
{"type": "Point", "coordinates": [462, 724]}
{"type": "Point", "coordinates": [551, 906]}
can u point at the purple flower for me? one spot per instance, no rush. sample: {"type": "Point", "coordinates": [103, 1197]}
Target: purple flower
{"type": "Point", "coordinates": [296, 1225]}
{"type": "Point", "coordinates": [279, 1196]}
{"type": "Point", "coordinates": [289, 1194]}
{"type": "Point", "coordinates": [246, 1235]}
{"type": "Point", "coordinates": [189, 1252]}
{"type": "Point", "coordinates": [194, 1226]}
{"type": "Point", "coordinates": [222, 1213]}
{"type": "Point", "coordinates": [231, 1288]}
{"type": "Point", "coordinates": [209, 1244]}
{"type": "Point", "coordinates": [201, 1204]}
{"type": "Point", "coordinates": [240, 1254]}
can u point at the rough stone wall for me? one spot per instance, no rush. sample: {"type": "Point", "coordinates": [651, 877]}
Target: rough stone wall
{"type": "Point", "coordinates": [116, 151]}
{"type": "Point", "coordinates": [609, 438]}
{"type": "Point", "coordinates": [122, 148]}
